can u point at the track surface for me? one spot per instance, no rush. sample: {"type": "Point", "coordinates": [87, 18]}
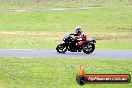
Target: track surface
{"type": "Point", "coordinates": [110, 54]}
{"type": "Point", "coordinates": [47, 9]}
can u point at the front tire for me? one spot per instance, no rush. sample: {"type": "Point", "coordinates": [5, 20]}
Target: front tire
{"type": "Point", "coordinates": [61, 48]}
{"type": "Point", "coordinates": [89, 48]}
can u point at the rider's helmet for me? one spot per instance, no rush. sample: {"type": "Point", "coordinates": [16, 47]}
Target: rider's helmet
{"type": "Point", "coordinates": [78, 30]}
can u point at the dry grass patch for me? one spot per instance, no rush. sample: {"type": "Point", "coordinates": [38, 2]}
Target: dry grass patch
{"type": "Point", "coordinates": [112, 36]}
{"type": "Point", "coordinates": [59, 35]}
{"type": "Point", "coordinates": [34, 34]}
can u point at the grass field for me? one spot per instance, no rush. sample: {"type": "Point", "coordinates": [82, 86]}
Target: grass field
{"type": "Point", "coordinates": [58, 73]}
{"type": "Point", "coordinates": [27, 4]}
{"type": "Point", "coordinates": [112, 27]}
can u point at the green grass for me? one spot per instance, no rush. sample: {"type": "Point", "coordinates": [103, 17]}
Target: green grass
{"type": "Point", "coordinates": [58, 73]}
{"type": "Point", "coordinates": [91, 20]}
{"type": "Point", "coordinates": [27, 4]}
{"type": "Point", "coordinates": [112, 27]}
{"type": "Point", "coordinates": [114, 45]}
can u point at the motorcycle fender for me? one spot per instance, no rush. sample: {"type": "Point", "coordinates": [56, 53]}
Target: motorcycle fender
{"type": "Point", "coordinates": [64, 44]}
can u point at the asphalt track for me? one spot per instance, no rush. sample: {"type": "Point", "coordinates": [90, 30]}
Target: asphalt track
{"type": "Point", "coordinates": [109, 54]}
{"type": "Point", "coordinates": [47, 9]}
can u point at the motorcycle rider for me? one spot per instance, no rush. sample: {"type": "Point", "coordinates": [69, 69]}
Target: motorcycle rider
{"type": "Point", "coordinates": [77, 42]}
{"type": "Point", "coordinates": [80, 35]}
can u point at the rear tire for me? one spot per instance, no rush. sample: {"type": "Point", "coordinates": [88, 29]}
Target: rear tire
{"type": "Point", "coordinates": [61, 48]}
{"type": "Point", "coordinates": [89, 48]}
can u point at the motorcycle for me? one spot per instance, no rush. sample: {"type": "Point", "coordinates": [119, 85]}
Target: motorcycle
{"type": "Point", "coordinates": [69, 44]}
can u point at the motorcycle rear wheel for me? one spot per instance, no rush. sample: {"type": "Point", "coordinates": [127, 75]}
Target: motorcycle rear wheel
{"type": "Point", "coordinates": [89, 48]}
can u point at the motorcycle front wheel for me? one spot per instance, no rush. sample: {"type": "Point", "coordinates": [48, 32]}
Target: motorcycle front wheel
{"type": "Point", "coordinates": [89, 48]}
{"type": "Point", "coordinates": [61, 48]}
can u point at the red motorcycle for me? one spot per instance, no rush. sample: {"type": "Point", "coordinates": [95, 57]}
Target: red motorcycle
{"type": "Point", "coordinates": [69, 44]}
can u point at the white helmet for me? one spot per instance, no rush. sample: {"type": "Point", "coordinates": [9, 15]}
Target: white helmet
{"type": "Point", "coordinates": [78, 29]}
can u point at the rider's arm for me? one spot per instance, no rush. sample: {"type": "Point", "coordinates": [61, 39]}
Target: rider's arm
{"type": "Point", "coordinates": [74, 34]}
{"type": "Point", "coordinates": [79, 39]}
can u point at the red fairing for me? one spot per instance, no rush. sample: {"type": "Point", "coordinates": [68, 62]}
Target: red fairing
{"type": "Point", "coordinates": [83, 39]}
{"type": "Point", "coordinates": [83, 36]}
